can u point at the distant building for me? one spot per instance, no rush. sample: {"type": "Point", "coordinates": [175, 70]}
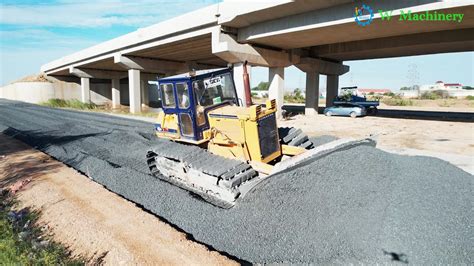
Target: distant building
{"type": "Point", "coordinates": [440, 85]}
{"type": "Point", "coordinates": [365, 92]}
{"type": "Point", "coordinates": [453, 89]}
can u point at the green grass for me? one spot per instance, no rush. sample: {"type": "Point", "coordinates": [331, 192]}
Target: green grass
{"type": "Point", "coordinates": [23, 243]}
{"type": "Point", "coordinates": [74, 103]}
{"type": "Point", "coordinates": [445, 103]}
{"type": "Point", "coordinates": [434, 95]}
{"type": "Point", "coordinates": [470, 98]}
{"type": "Point", "coordinates": [397, 102]}
{"type": "Point", "coordinates": [123, 112]}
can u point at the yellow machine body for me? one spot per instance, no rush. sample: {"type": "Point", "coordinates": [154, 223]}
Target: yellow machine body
{"type": "Point", "coordinates": [243, 133]}
{"type": "Point", "coordinates": [170, 126]}
{"type": "Point", "coordinates": [238, 132]}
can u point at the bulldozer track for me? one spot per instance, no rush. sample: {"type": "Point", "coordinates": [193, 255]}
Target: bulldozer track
{"type": "Point", "coordinates": [294, 137]}
{"type": "Point", "coordinates": [228, 174]}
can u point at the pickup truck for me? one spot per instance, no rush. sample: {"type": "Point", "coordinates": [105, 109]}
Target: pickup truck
{"type": "Point", "coordinates": [370, 106]}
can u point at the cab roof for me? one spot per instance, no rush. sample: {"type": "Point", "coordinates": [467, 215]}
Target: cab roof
{"type": "Point", "coordinates": [198, 74]}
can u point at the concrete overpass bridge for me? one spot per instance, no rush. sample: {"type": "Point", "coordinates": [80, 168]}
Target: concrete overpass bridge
{"type": "Point", "coordinates": [315, 36]}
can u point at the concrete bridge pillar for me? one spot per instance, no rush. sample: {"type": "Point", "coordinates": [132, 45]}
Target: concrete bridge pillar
{"type": "Point", "coordinates": [277, 86]}
{"type": "Point", "coordinates": [85, 90]}
{"type": "Point", "coordinates": [134, 90]}
{"type": "Point", "coordinates": [312, 93]}
{"type": "Point", "coordinates": [115, 93]}
{"type": "Point", "coordinates": [332, 86]}
{"type": "Point", "coordinates": [238, 71]}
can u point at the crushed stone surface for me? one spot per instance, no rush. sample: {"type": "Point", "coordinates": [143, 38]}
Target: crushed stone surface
{"type": "Point", "coordinates": [361, 205]}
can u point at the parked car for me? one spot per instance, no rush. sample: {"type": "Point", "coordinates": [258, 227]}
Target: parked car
{"type": "Point", "coordinates": [346, 109]}
{"type": "Point", "coordinates": [349, 95]}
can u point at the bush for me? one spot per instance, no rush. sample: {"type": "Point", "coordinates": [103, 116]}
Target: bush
{"type": "Point", "coordinates": [295, 97]}
{"type": "Point", "coordinates": [55, 103]}
{"type": "Point", "coordinates": [74, 103]}
{"type": "Point", "coordinates": [434, 95]}
{"type": "Point", "coordinates": [375, 98]}
{"type": "Point", "coordinates": [470, 97]}
{"type": "Point", "coordinates": [262, 86]}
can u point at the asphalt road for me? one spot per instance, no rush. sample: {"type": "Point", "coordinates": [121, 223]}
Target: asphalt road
{"type": "Point", "coordinates": [361, 205]}
{"type": "Point", "coordinates": [400, 113]}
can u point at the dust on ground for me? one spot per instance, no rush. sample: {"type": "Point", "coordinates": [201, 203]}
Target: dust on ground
{"type": "Point", "coordinates": [439, 105]}
{"type": "Point", "coordinates": [450, 141]}
{"type": "Point", "coordinates": [89, 219]}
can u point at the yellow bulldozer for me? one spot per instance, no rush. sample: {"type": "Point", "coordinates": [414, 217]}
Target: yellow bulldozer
{"type": "Point", "coordinates": [220, 150]}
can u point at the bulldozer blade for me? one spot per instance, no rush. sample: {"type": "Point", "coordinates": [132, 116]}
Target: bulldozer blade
{"type": "Point", "coordinates": [321, 151]}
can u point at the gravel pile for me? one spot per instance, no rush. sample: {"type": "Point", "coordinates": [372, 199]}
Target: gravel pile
{"type": "Point", "coordinates": [359, 205]}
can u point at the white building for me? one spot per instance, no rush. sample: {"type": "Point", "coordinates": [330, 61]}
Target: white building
{"type": "Point", "coordinates": [453, 89]}
{"type": "Point", "coordinates": [439, 85]}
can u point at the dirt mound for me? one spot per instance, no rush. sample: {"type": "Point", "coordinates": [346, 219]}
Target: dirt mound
{"type": "Point", "coordinates": [36, 78]}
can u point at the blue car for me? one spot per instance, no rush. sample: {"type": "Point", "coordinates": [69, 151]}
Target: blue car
{"type": "Point", "coordinates": [346, 109]}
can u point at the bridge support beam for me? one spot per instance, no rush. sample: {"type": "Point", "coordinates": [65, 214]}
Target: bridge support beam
{"type": "Point", "coordinates": [115, 93]}
{"type": "Point", "coordinates": [331, 69]}
{"type": "Point", "coordinates": [332, 86]}
{"type": "Point", "coordinates": [228, 49]}
{"type": "Point", "coordinates": [134, 90]}
{"type": "Point", "coordinates": [85, 90]}
{"type": "Point", "coordinates": [277, 86]}
{"type": "Point", "coordinates": [312, 93]}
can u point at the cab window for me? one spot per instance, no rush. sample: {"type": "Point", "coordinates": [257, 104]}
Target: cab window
{"type": "Point", "coordinates": [168, 95]}
{"type": "Point", "coordinates": [183, 96]}
{"type": "Point", "coordinates": [186, 125]}
{"type": "Point", "coordinates": [214, 90]}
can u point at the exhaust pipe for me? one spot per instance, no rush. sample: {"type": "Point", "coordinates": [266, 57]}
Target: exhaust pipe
{"type": "Point", "coordinates": [248, 93]}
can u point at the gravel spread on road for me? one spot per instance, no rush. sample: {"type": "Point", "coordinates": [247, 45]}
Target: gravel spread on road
{"type": "Point", "coordinates": [361, 205]}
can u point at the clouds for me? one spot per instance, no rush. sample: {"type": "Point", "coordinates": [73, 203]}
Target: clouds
{"type": "Point", "coordinates": [97, 14]}
{"type": "Point", "coordinates": [34, 32]}
{"type": "Point", "coordinates": [28, 38]}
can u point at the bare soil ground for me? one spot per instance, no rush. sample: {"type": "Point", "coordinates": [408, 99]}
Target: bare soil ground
{"type": "Point", "coordinates": [450, 141]}
{"type": "Point", "coordinates": [443, 105]}
{"type": "Point", "coordinates": [89, 219]}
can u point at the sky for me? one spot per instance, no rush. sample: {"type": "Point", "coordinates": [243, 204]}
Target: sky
{"type": "Point", "coordinates": [33, 33]}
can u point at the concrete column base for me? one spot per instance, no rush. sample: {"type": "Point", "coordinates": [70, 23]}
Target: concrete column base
{"type": "Point", "coordinates": [276, 77]}
{"type": "Point", "coordinates": [85, 90]}
{"type": "Point", "coordinates": [134, 90]}
{"type": "Point", "coordinates": [310, 112]}
{"type": "Point", "coordinates": [312, 93]}
{"type": "Point", "coordinates": [115, 93]}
